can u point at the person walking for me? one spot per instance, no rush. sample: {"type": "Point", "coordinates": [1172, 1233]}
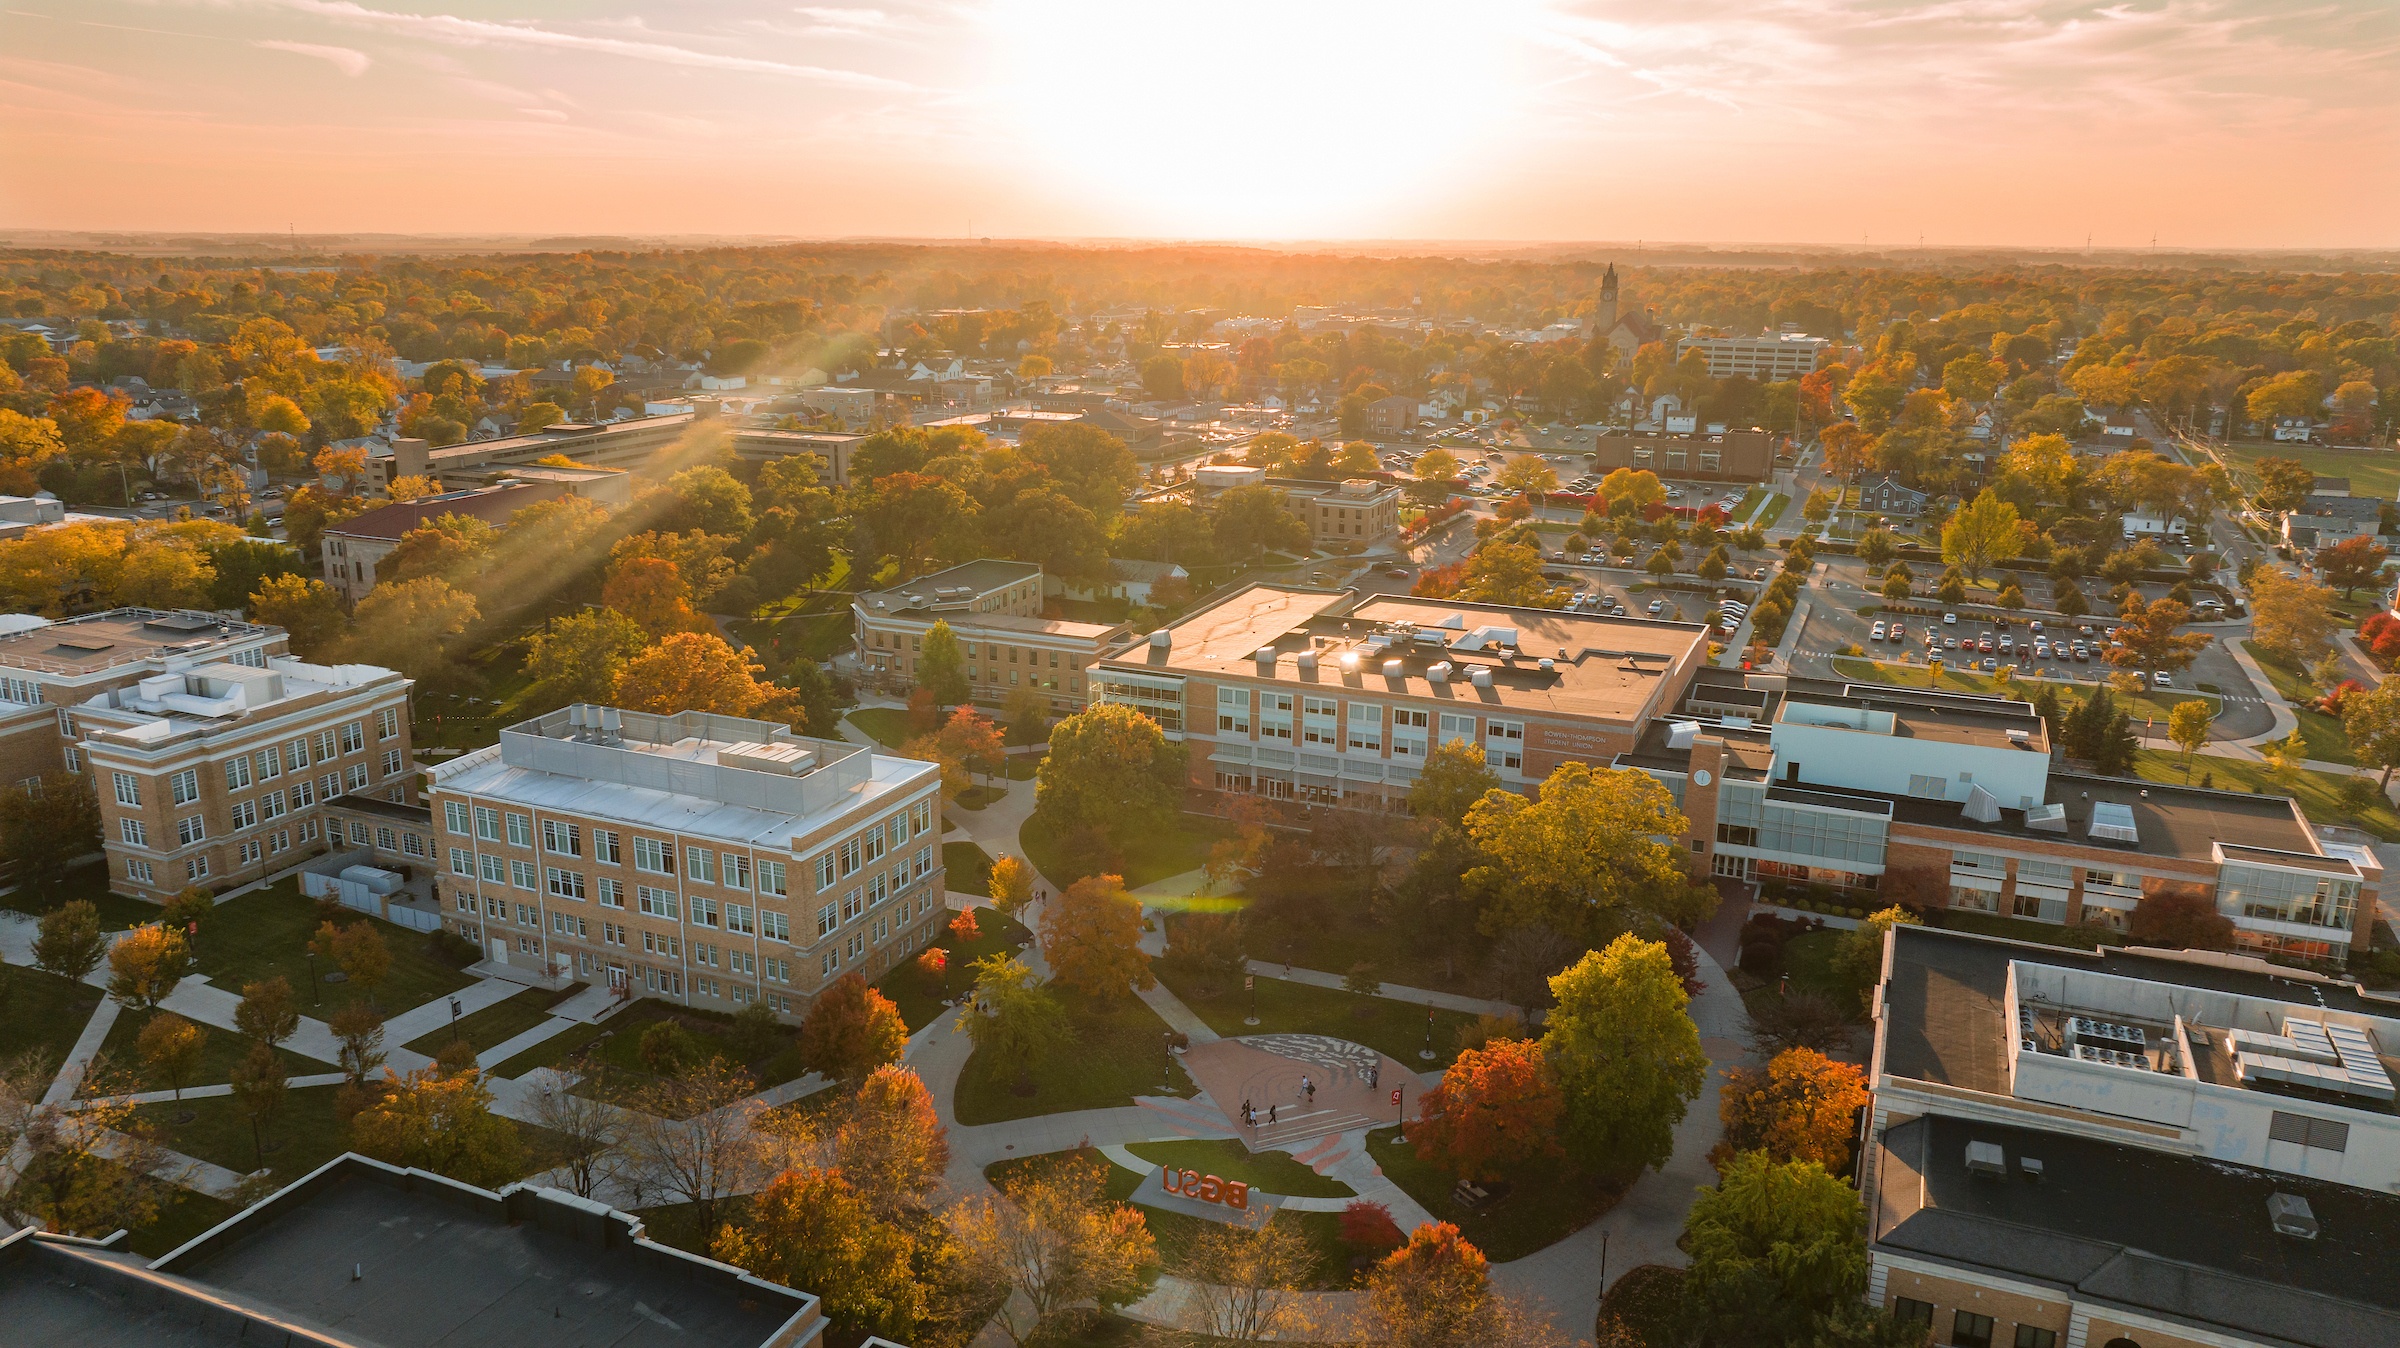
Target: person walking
{"type": "Point", "coordinates": [1374, 1076]}
{"type": "Point", "coordinates": [1308, 1090]}
{"type": "Point", "coordinates": [1270, 1116]}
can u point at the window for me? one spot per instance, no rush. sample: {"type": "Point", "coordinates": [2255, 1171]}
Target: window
{"type": "Point", "coordinates": [656, 902]}
{"type": "Point", "coordinates": [1503, 743]}
{"type": "Point", "coordinates": [1912, 1312]}
{"type": "Point", "coordinates": [827, 919]}
{"type": "Point", "coordinates": [2308, 1131]}
{"type": "Point", "coordinates": [304, 794]}
{"type": "Point", "coordinates": [876, 893]}
{"type": "Point", "coordinates": [737, 918]}
{"type": "Point", "coordinates": [563, 884]}
{"type": "Point", "coordinates": [354, 737]}
{"type": "Point", "coordinates": [184, 787]}
{"type": "Point", "coordinates": [770, 878]}
{"type": "Point", "coordinates": [462, 862]}
{"type": "Point", "coordinates": [391, 762]}
{"type": "Point", "coordinates": [385, 839]}
{"type": "Point", "coordinates": [135, 832]}
{"type": "Point", "coordinates": [1317, 721]}
{"type": "Point", "coordinates": [923, 864]}
{"type": "Point", "coordinates": [1969, 1330]}
{"type": "Point", "coordinates": [700, 864]}
{"type": "Point", "coordinates": [611, 894]}
{"type": "Point", "coordinates": [387, 723]}
{"type": "Point", "coordinates": [270, 762]}
{"type": "Point", "coordinates": [494, 869]}
{"type": "Point", "coordinates": [604, 847]}
{"type": "Point", "coordinates": [129, 788]}
{"type": "Point", "coordinates": [195, 868]}
{"type": "Point", "coordinates": [487, 823]}
{"type": "Point", "coordinates": [454, 815]}
{"type": "Point", "coordinates": [520, 874]}
{"type": "Point", "coordinates": [1928, 786]}
{"type": "Point", "coordinates": [520, 829]}
{"type": "Point", "coordinates": [849, 857]}
{"type": "Point", "coordinates": [853, 903]}
{"type": "Point", "coordinates": [358, 833]}
{"type": "Point", "coordinates": [271, 804]}
{"type": "Point", "coordinates": [324, 746]}
{"type": "Point", "coordinates": [1233, 710]}
{"type": "Point", "coordinates": [244, 813]}
{"type": "Point", "coordinates": [831, 962]}
{"type": "Point", "coordinates": [296, 753]}
{"type": "Point", "coordinates": [774, 926]}
{"type": "Point", "coordinates": [564, 839]}
{"type": "Point", "coordinates": [358, 776]}
{"type": "Point", "coordinates": [825, 876]}
{"type": "Point", "coordinates": [412, 845]}
{"type": "Point", "coordinates": [874, 843]}
{"type": "Point", "coordinates": [924, 816]}
{"type": "Point", "coordinates": [139, 870]}
{"type": "Point", "coordinates": [1366, 726]}
{"type": "Point", "coordinates": [1275, 716]}
{"type": "Point", "coordinates": [2030, 1337]}
{"type": "Point", "coordinates": [649, 854]}
{"type": "Point", "coordinates": [704, 911]}
{"type": "Point", "coordinates": [237, 773]}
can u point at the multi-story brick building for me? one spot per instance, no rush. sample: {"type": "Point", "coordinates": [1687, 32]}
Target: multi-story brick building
{"type": "Point", "coordinates": [1357, 512]}
{"type": "Point", "coordinates": [1717, 456]}
{"type": "Point", "coordinates": [2129, 1149]}
{"type": "Point", "coordinates": [995, 609]}
{"type": "Point", "coordinates": [706, 859]}
{"type": "Point", "coordinates": [1324, 697]}
{"type": "Point", "coordinates": [216, 771]}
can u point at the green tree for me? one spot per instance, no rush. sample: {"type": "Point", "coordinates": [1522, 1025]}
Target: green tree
{"type": "Point", "coordinates": [1877, 546]}
{"type": "Point", "coordinates": [1625, 1053]}
{"type": "Point", "coordinates": [442, 1122]}
{"type": "Point", "coordinates": [1110, 774]}
{"type": "Point", "coordinates": [539, 416]}
{"type": "Point", "coordinates": [309, 610]}
{"type": "Point", "coordinates": [1858, 960]}
{"type": "Point", "coordinates": [1787, 1229]}
{"type": "Point", "coordinates": [1583, 855]}
{"type": "Point", "coordinates": [580, 656]}
{"type": "Point", "coordinates": [267, 1012]}
{"type": "Point", "coordinates": [1011, 1017]}
{"type": "Point", "coordinates": [1251, 520]}
{"type": "Point", "coordinates": [48, 826]}
{"type": "Point", "coordinates": [409, 626]}
{"type": "Point", "coordinates": [1454, 777]}
{"type": "Point", "coordinates": [1819, 506]}
{"type": "Point", "coordinates": [2371, 720]}
{"type": "Point", "coordinates": [1981, 535]}
{"type": "Point", "coordinates": [2187, 725]}
{"type": "Point", "coordinates": [1507, 573]}
{"type": "Point", "coordinates": [942, 666]}
{"type": "Point", "coordinates": [68, 941]}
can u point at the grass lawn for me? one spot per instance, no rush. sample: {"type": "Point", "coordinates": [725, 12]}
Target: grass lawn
{"type": "Point", "coordinates": [977, 796]}
{"type": "Point", "coordinates": [614, 1057]}
{"type": "Point", "coordinates": [2372, 472]}
{"type": "Point", "coordinates": [89, 883]}
{"type": "Point", "coordinates": [1338, 936]}
{"type": "Point", "coordinates": [1175, 1232]}
{"type": "Point", "coordinates": [920, 998]}
{"type": "Point", "coordinates": [1775, 509]}
{"type": "Point", "coordinates": [2026, 929]}
{"type": "Point", "coordinates": [2140, 706]}
{"type": "Point", "coordinates": [265, 933]}
{"type": "Point", "coordinates": [1274, 1171]}
{"type": "Point", "coordinates": [969, 867]}
{"type": "Point", "coordinates": [1119, 1052]}
{"type": "Point", "coordinates": [1394, 1028]}
{"type": "Point", "coordinates": [557, 1049]}
{"type": "Point", "coordinates": [2319, 793]}
{"type": "Point", "coordinates": [2327, 741]}
{"type": "Point", "coordinates": [1545, 1207]}
{"type": "Point", "coordinates": [1809, 958]}
{"type": "Point", "coordinates": [493, 1025]}
{"type": "Point", "coordinates": [43, 1014]}
{"type": "Point", "coordinates": [887, 726]}
{"type": "Point", "coordinates": [815, 635]}
{"type": "Point", "coordinates": [1149, 858]}
{"type": "Point", "coordinates": [222, 1050]}
{"type": "Point", "coordinates": [303, 1135]}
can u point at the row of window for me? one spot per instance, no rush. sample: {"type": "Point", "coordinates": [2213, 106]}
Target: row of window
{"type": "Point", "coordinates": [732, 959]}
{"type": "Point", "coordinates": [665, 904]}
{"type": "Point", "coordinates": [249, 852]}
{"type": "Point", "coordinates": [1969, 1329]}
{"type": "Point", "coordinates": [701, 865]}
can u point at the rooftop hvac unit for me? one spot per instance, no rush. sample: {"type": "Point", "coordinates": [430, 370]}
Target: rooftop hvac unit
{"type": "Point", "coordinates": [1306, 662]}
{"type": "Point", "coordinates": [1349, 662]}
{"type": "Point", "coordinates": [2031, 1168]}
{"type": "Point", "coordinates": [2020, 736]}
{"type": "Point", "coordinates": [1547, 664]}
{"type": "Point", "coordinates": [2291, 1216]}
{"type": "Point", "coordinates": [1393, 669]}
{"type": "Point", "coordinates": [1982, 806]}
{"type": "Point", "coordinates": [1680, 733]}
{"type": "Point", "coordinates": [2047, 818]}
{"type": "Point", "coordinates": [1986, 1158]}
{"type": "Point", "coordinates": [612, 724]}
{"type": "Point", "coordinates": [1438, 672]}
{"type": "Point", "coordinates": [1162, 639]}
{"type": "Point", "coordinates": [1481, 678]}
{"type": "Point", "coordinates": [2113, 822]}
{"type": "Point", "coordinates": [1265, 655]}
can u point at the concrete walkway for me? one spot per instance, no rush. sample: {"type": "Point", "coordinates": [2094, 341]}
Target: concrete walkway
{"type": "Point", "coordinates": [173, 1167]}
{"type": "Point", "coordinates": [2285, 721]}
{"type": "Point", "coordinates": [79, 1058]}
{"type": "Point", "coordinates": [1448, 1001]}
{"type": "Point", "coordinates": [419, 1021]}
{"type": "Point", "coordinates": [550, 1028]}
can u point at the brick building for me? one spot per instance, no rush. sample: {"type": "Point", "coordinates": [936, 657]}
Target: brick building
{"type": "Point", "coordinates": [995, 609]}
{"type": "Point", "coordinates": [1718, 456]}
{"type": "Point", "coordinates": [47, 669]}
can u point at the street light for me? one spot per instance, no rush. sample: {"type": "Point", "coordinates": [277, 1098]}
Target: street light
{"type": "Point", "coordinates": [316, 994]}
{"type": "Point", "coordinates": [1427, 1052]}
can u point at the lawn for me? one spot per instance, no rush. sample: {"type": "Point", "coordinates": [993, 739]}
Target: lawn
{"type": "Point", "coordinates": [1337, 936]}
{"type": "Point", "coordinates": [1775, 509]}
{"type": "Point", "coordinates": [1153, 856]}
{"type": "Point", "coordinates": [920, 998]}
{"type": "Point", "coordinates": [1544, 1208]}
{"type": "Point", "coordinates": [2155, 704]}
{"type": "Point", "coordinates": [2372, 472]}
{"type": "Point", "coordinates": [1274, 1171]}
{"type": "Point", "coordinates": [614, 1059]}
{"type": "Point", "coordinates": [43, 1014]}
{"type": "Point", "coordinates": [1119, 1052]}
{"type": "Point", "coordinates": [969, 867]}
{"type": "Point", "coordinates": [2319, 793]}
{"type": "Point", "coordinates": [1394, 1028]}
{"type": "Point", "coordinates": [219, 1053]}
{"type": "Point", "coordinates": [887, 726]}
{"type": "Point", "coordinates": [303, 1135]}
{"type": "Point", "coordinates": [557, 1049]}
{"type": "Point", "coordinates": [2026, 929]}
{"type": "Point", "coordinates": [266, 932]}
{"type": "Point", "coordinates": [2327, 741]}
{"type": "Point", "coordinates": [1175, 1232]}
{"type": "Point", "coordinates": [978, 796]}
{"type": "Point", "coordinates": [495, 1024]}
{"type": "Point", "coordinates": [90, 883]}
{"type": "Point", "coordinates": [1809, 959]}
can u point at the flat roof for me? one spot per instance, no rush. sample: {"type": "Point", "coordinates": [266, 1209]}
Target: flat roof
{"type": "Point", "coordinates": [490, 504]}
{"type": "Point", "coordinates": [99, 641]}
{"type": "Point", "coordinates": [2183, 1238]}
{"type": "Point", "coordinates": [1604, 667]}
{"type": "Point", "coordinates": [565, 435]}
{"type": "Point", "coordinates": [1933, 720]}
{"type": "Point", "coordinates": [981, 576]}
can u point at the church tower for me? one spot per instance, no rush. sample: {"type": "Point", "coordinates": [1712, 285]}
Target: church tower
{"type": "Point", "coordinates": [1607, 320]}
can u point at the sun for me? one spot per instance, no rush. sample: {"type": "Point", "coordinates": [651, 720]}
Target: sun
{"type": "Point", "coordinates": [1251, 118]}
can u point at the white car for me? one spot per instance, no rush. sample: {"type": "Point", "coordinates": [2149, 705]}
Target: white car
{"type": "Point", "coordinates": [1878, 633]}
{"type": "Point", "coordinates": [1949, 620]}
{"type": "Point", "coordinates": [2162, 679]}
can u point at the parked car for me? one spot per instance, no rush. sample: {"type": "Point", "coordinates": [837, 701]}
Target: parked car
{"type": "Point", "coordinates": [1949, 620]}
{"type": "Point", "coordinates": [1657, 606]}
{"type": "Point", "coordinates": [1878, 633]}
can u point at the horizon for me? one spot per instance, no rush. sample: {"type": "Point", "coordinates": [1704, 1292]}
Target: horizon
{"type": "Point", "coordinates": [1874, 125]}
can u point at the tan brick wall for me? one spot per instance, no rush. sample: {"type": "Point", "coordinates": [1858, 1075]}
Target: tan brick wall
{"type": "Point", "coordinates": [29, 746]}
{"type": "Point", "coordinates": [2008, 1308]}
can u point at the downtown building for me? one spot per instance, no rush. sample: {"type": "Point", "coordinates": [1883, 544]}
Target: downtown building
{"type": "Point", "coordinates": [708, 860]}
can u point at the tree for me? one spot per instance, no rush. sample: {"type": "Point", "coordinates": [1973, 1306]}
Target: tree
{"type": "Point", "coordinates": [360, 1028]}
{"type": "Point", "coordinates": [1496, 1109]}
{"type": "Point", "coordinates": [2150, 640]}
{"type": "Point", "coordinates": [1110, 774]}
{"type": "Point", "coordinates": [443, 1123]}
{"type": "Point", "coordinates": [1981, 535]}
{"type": "Point", "coordinates": [1507, 573]}
{"type": "Point", "coordinates": [266, 1012]}
{"type": "Point", "coordinates": [1580, 856]}
{"type": "Point", "coordinates": [1787, 1226]}
{"type": "Point", "coordinates": [309, 610]}
{"type": "Point", "coordinates": [539, 416]}
{"type": "Point", "coordinates": [358, 950]}
{"type": "Point", "coordinates": [1819, 506]}
{"type": "Point", "coordinates": [1026, 713]}
{"type": "Point", "coordinates": [973, 741]}
{"type": "Point", "coordinates": [906, 517]}
{"type": "Point", "coordinates": [80, 1167]}
{"type": "Point", "coordinates": [1011, 1016]}
{"type": "Point", "coordinates": [259, 1087]}
{"type": "Point", "coordinates": [1011, 884]}
{"type": "Point", "coordinates": [171, 1047]}
{"type": "Point", "coordinates": [1437, 466]}
{"type": "Point", "coordinates": [2371, 721]}
{"type": "Point", "coordinates": [581, 655]}
{"type": "Point", "coordinates": [1090, 465]}
{"type": "Point", "coordinates": [1253, 519]}
{"type": "Point", "coordinates": [68, 941]}
{"type": "Point", "coordinates": [1091, 935]}
{"type": "Point", "coordinates": [47, 826]}
{"type": "Point", "coordinates": [1256, 1270]}
{"type": "Point", "coordinates": [1877, 546]}
{"type": "Point", "coordinates": [2352, 564]}
{"type": "Point", "coordinates": [1626, 1054]}
{"type": "Point", "coordinates": [1453, 779]}
{"type": "Point", "coordinates": [851, 1030]}
{"type": "Point", "coordinates": [692, 1137]}
{"type": "Point", "coordinates": [1433, 1292]}
{"type": "Point", "coordinates": [891, 1143]}
{"type": "Point", "coordinates": [812, 1228]}
{"type": "Point", "coordinates": [1632, 489]}
{"type": "Point", "coordinates": [942, 666]}
{"type": "Point", "coordinates": [696, 671]}
{"type": "Point", "coordinates": [2181, 919]}
{"type": "Point", "coordinates": [1526, 476]}
{"type": "Point", "coordinates": [2283, 484]}
{"type": "Point", "coordinates": [653, 592]}
{"type": "Point", "coordinates": [1849, 449]}
{"type": "Point", "coordinates": [144, 965]}
{"type": "Point", "coordinates": [2187, 725]}
{"type": "Point", "coordinates": [1049, 1241]}
{"type": "Point", "coordinates": [409, 626]}
{"type": "Point", "coordinates": [2290, 616]}
{"type": "Point", "coordinates": [2294, 393]}
{"type": "Point", "coordinates": [1801, 1107]}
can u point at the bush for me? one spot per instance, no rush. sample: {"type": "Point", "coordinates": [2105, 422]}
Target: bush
{"type": "Point", "coordinates": [451, 948]}
{"type": "Point", "coordinates": [1761, 958]}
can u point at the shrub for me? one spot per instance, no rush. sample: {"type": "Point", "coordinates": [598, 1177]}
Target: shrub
{"type": "Point", "coordinates": [1761, 958]}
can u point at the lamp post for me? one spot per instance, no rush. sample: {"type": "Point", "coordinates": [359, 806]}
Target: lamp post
{"type": "Point", "coordinates": [316, 994]}
{"type": "Point", "coordinates": [1166, 1070]}
{"type": "Point", "coordinates": [1427, 1052]}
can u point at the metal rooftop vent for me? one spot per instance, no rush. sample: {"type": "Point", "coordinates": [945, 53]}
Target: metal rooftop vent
{"type": "Point", "coordinates": [1481, 678]}
{"type": "Point", "coordinates": [1680, 733]}
{"type": "Point", "coordinates": [2047, 818]}
{"type": "Point", "coordinates": [1162, 639]}
{"type": "Point", "coordinates": [1982, 806]}
{"type": "Point", "coordinates": [1438, 672]}
{"type": "Point", "coordinates": [2291, 1215]}
{"type": "Point", "coordinates": [2114, 822]}
{"type": "Point", "coordinates": [1265, 655]}
{"type": "Point", "coordinates": [1393, 669]}
{"type": "Point", "coordinates": [1986, 1158]}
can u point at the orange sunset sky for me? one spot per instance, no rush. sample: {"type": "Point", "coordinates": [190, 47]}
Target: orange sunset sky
{"type": "Point", "coordinates": [2207, 123]}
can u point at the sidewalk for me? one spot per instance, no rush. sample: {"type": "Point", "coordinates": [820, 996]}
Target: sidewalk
{"type": "Point", "coordinates": [79, 1058]}
{"type": "Point", "coordinates": [2285, 721]}
{"type": "Point", "coordinates": [1448, 1001]}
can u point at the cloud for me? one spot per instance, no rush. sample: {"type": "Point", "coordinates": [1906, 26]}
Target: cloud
{"type": "Point", "coordinates": [459, 31]}
{"type": "Point", "coordinates": [348, 60]}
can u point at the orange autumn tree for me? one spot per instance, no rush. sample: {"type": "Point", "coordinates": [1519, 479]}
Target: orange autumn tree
{"type": "Point", "coordinates": [697, 671]}
{"type": "Point", "coordinates": [851, 1030]}
{"type": "Point", "coordinates": [1495, 1109]}
{"type": "Point", "coordinates": [652, 592]}
{"type": "Point", "coordinates": [1801, 1108]}
{"type": "Point", "coordinates": [1092, 934]}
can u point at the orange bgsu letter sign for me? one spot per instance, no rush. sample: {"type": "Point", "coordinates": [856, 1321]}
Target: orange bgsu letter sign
{"type": "Point", "coordinates": [1206, 1188]}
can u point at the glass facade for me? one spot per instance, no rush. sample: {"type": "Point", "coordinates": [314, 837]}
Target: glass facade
{"type": "Point", "coordinates": [1822, 835]}
{"type": "Point", "coordinates": [2286, 896]}
{"type": "Point", "coordinates": [1159, 699]}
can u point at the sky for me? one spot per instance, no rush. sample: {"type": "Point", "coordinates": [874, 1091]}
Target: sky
{"type": "Point", "coordinates": [2042, 123]}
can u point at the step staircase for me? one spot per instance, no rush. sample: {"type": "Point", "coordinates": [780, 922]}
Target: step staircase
{"type": "Point", "coordinates": [1298, 1125]}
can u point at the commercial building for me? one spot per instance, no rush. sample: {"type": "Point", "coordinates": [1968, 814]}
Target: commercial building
{"type": "Point", "coordinates": [765, 446]}
{"type": "Point", "coordinates": [1714, 456]}
{"type": "Point", "coordinates": [216, 771]}
{"type": "Point", "coordinates": [995, 609]}
{"type": "Point", "coordinates": [2129, 1149]}
{"type": "Point", "coordinates": [1940, 799]}
{"type": "Point", "coordinates": [1328, 697]}
{"type": "Point", "coordinates": [1358, 512]}
{"type": "Point", "coordinates": [1394, 415]}
{"type": "Point", "coordinates": [629, 445]}
{"type": "Point", "coordinates": [362, 1253]}
{"type": "Point", "coordinates": [709, 860]}
{"type": "Point", "coordinates": [1778, 355]}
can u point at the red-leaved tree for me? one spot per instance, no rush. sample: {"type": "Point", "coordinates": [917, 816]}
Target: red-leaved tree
{"type": "Point", "coordinates": [1495, 1109]}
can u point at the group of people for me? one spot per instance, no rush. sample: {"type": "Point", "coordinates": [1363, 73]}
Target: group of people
{"type": "Point", "coordinates": [1308, 1095]}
